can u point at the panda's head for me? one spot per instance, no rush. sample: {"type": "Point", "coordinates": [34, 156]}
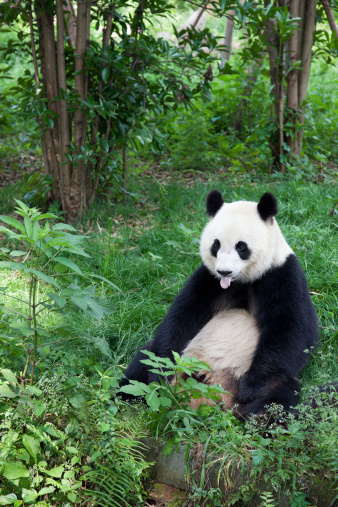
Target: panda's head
{"type": "Point", "coordinates": [242, 241]}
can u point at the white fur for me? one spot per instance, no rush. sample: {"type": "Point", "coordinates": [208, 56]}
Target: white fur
{"type": "Point", "coordinates": [240, 221]}
{"type": "Point", "coordinates": [227, 341]}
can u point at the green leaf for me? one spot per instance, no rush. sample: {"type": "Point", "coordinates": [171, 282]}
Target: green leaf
{"type": "Point", "coordinates": [13, 222]}
{"type": "Point", "coordinates": [33, 390]}
{"type": "Point", "coordinates": [43, 276]}
{"type": "Point", "coordinates": [46, 491]}
{"type": "Point", "coordinates": [66, 227]}
{"type": "Point", "coordinates": [153, 400]}
{"type": "Point", "coordinates": [15, 470]}
{"type": "Point", "coordinates": [105, 74]}
{"type": "Point", "coordinates": [32, 445]}
{"type": "Point", "coordinates": [80, 302]}
{"type": "Point", "coordinates": [72, 497]}
{"type": "Point", "coordinates": [12, 265]}
{"type": "Point", "coordinates": [39, 408]}
{"type": "Point", "coordinates": [165, 402]}
{"type": "Point", "coordinates": [168, 448]}
{"type": "Point", "coordinates": [6, 392]}
{"type": "Point", "coordinates": [28, 226]}
{"type": "Point", "coordinates": [22, 206]}
{"type": "Point", "coordinates": [56, 472]}
{"type": "Point", "coordinates": [35, 231]}
{"type": "Point", "coordinates": [135, 388]}
{"type": "Point", "coordinates": [103, 346]}
{"type": "Point", "coordinates": [17, 253]}
{"type": "Point", "coordinates": [70, 264]}
{"type": "Point", "coordinates": [8, 499]}
{"type": "Point", "coordinates": [59, 300]}
{"type": "Point", "coordinates": [10, 376]}
{"type": "Point", "coordinates": [77, 400]}
{"type": "Point", "coordinates": [29, 495]}
{"type": "Point", "coordinates": [107, 281]}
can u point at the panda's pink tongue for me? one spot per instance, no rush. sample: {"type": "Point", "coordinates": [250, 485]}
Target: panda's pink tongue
{"type": "Point", "coordinates": [225, 282]}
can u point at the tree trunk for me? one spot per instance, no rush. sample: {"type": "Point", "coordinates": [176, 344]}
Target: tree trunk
{"type": "Point", "coordinates": [52, 91]}
{"type": "Point", "coordinates": [229, 30]}
{"type": "Point", "coordinates": [64, 123]}
{"type": "Point", "coordinates": [70, 22]}
{"type": "Point", "coordinates": [300, 46]}
{"type": "Point", "coordinates": [275, 52]}
{"type": "Point", "coordinates": [78, 196]}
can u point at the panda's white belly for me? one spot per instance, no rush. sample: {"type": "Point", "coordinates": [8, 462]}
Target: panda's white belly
{"type": "Point", "coordinates": [227, 342]}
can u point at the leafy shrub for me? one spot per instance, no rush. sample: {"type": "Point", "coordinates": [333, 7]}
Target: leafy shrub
{"type": "Point", "coordinates": [283, 456]}
{"type": "Point", "coordinates": [194, 145]}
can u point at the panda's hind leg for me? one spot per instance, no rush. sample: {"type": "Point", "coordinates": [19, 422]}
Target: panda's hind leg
{"type": "Point", "coordinates": [285, 395]}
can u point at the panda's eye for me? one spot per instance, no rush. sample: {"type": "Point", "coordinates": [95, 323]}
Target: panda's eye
{"type": "Point", "coordinates": [241, 245]}
{"type": "Point", "coordinates": [215, 247]}
{"type": "Point", "coordinates": [243, 250]}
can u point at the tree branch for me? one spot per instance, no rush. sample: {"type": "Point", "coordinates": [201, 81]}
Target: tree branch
{"type": "Point", "coordinates": [330, 17]}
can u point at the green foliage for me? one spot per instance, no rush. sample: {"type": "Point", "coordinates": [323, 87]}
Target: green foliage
{"type": "Point", "coordinates": [194, 145]}
{"type": "Point", "coordinates": [59, 452]}
{"type": "Point", "coordinates": [37, 257]}
{"type": "Point", "coordinates": [284, 456]}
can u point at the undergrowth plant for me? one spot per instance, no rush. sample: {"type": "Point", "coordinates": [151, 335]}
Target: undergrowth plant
{"type": "Point", "coordinates": [38, 259]}
{"type": "Point", "coordinates": [57, 435]}
{"type": "Point", "coordinates": [280, 456]}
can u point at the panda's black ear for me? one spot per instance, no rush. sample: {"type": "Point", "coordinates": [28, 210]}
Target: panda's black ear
{"type": "Point", "coordinates": [267, 206]}
{"type": "Point", "coordinates": [214, 202]}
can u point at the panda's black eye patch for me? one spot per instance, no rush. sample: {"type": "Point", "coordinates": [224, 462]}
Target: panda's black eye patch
{"type": "Point", "coordinates": [243, 250]}
{"type": "Point", "coordinates": [215, 247]}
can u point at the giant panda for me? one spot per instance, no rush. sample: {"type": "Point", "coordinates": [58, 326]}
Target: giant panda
{"type": "Point", "coordinates": [246, 311]}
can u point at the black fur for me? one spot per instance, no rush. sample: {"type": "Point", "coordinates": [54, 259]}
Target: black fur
{"type": "Point", "coordinates": [214, 202]}
{"type": "Point", "coordinates": [267, 206]}
{"type": "Point", "coordinates": [281, 303]}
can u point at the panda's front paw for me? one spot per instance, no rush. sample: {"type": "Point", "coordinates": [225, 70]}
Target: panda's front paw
{"type": "Point", "coordinates": [249, 390]}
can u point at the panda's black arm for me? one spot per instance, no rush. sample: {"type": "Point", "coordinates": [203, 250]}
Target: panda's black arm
{"type": "Point", "coordinates": [288, 327]}
{"type": "Point", "coordinates": [192, 308]}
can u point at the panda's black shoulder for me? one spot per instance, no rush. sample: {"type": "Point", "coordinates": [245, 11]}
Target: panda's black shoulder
{"type": "Point", "coordinates": [283, 298]}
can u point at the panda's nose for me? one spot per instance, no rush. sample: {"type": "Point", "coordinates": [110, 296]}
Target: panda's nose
{"type": "Point", "coordinates": [224, 273]}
